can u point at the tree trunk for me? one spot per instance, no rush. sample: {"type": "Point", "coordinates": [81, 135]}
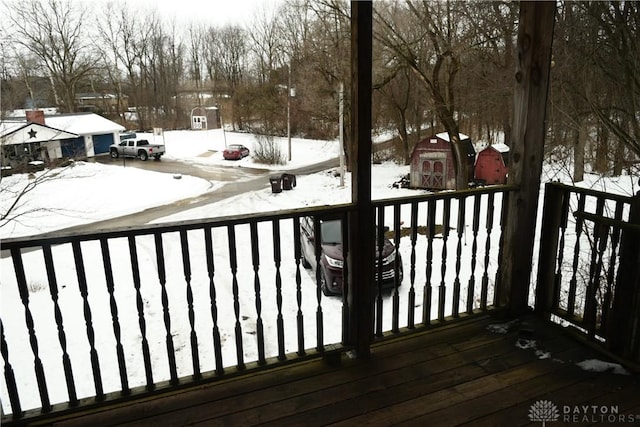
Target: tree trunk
{"type": "Point", "coordinates": [602, 151]}
{"type": "Point", "coordinates": [579, 143]}
{"type": "Point", "coordinates": [459, 152]}
{"type": "Point", "coordinates": [404, 136]}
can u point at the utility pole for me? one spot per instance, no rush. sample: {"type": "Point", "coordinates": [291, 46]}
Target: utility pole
{"type": "Point", "coordinates": [289, 109]}
{"type": "Point", "coordinates": [341, 121]}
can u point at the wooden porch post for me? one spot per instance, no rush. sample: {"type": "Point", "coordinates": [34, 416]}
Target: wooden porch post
{"type": "Point", "coordinates": [361, 231]}
{"type": "Point", "coordinates": [624, 328]}
{"type": "Point", "coordinates": [554, 217]}
{"type": "Point", "coordinates": [535, 36]}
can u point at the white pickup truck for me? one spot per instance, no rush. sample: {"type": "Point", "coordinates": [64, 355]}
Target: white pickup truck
{"type": "Point", "coordinates": [136, 148]}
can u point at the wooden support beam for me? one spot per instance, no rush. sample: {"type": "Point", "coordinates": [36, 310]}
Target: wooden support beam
{"type": "Point", "coordinates": [552, 219]}
{"type": "Point", "coordinates": [360, 259]}
{"type": "Point", "coordinates": [624, 327]}
{"type": "Point", "coordinates": [535, 36]}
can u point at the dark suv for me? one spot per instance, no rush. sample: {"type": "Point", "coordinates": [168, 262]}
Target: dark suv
{"type": "Point", "coordinates": [331, 256]}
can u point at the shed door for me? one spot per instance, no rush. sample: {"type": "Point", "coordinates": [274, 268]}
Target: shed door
{"type": "Point", "coordinates": [426, 173]}
{"type": "Point", "coordinates": [433, 173]}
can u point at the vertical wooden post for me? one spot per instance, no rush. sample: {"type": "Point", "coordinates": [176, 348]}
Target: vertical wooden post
{"type": "Point", "coordinates": [551, 221]}
{"type": "Point", "coordinates": [535, 36]}
{"type": "Point", "coordinates": [361, 255]}
{"type": "Point", "coordinates": [624, 326]}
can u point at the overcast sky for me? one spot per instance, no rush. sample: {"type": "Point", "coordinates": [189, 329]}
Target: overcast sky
{"type": "Point", "coordinates": [214, 12]}
{"type": "Point", "coordinates": [211, 12]}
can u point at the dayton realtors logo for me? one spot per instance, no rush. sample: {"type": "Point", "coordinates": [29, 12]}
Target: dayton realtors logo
{"type": "Point", "coordinates": [546, 411]}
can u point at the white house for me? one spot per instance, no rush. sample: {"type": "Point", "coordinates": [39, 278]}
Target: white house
{"type": "Point", "coordinates": [32, 141]}
{"type": "Point", "coordinates": [97, 132]}
{"type": "Point", "coordinates": [45, 137]}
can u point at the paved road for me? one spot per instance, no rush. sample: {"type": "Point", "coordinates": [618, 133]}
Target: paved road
{"type": "Point", "coordinates": [233, 172]}
{"type": "Point", "coordinates": [237, 180]}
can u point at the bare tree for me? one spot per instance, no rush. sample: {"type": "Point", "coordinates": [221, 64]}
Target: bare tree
{"type": "Point", "coordinates": [111, 33]}
{"type": "Point", "coordinates": [53, 31]}
{"type": "Point", "coordinates": [617, 58]}
{"type": "Point", "coordinates": [431, 47]}
{"type": "Point", "coordinates": [267, 45]}
{"type": "Point", "coordinates": [324, 65]}
{"type": "Point", "coordinates": [595, 87]}
{"type": "Point", "coordinates": [486, 100]}
{"type": "Point", "coordinates": [196, 42]}
{"type": "Point", "coordinates": [271, 65]}
{"type": "Point", "coordinates": [226, 63]}
{"type": "Point", "coordinates": [397, 95]}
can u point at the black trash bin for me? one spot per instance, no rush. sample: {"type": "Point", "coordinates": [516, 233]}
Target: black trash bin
{"type": "Point", "coordinates": [288, 181]}
{"type": "Point", "coordinates": [276, 184]}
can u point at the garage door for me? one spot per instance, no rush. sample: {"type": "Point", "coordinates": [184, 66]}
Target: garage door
{"type": "Point", "coordinates": [101, 143]}
{"type": "Point", "coordinates": [73, 148]}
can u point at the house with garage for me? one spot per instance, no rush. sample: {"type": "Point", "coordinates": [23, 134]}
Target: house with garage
{"type": "Point", "coordinates": [24, 142]}
{"type": "Point", "coordinates": [95, 133]}
{"type": "Point", "coordinates": [39, 136]}
{"type": "Point", "coordinates": [432, 162]}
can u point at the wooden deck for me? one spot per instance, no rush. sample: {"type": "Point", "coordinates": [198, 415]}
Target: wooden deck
{"type": "Point", "coordinates": [461, 374]}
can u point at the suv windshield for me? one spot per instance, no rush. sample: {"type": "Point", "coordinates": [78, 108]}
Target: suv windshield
{"type": "Point", "coordinates": [331, 232]}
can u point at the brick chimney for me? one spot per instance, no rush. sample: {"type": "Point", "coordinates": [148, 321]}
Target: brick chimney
{"type": "Point", "coordinates": [35, 116]}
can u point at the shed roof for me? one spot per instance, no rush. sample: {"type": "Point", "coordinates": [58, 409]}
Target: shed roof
{"type": "Point", "coordinates": [500, 147]}
{"type": "Point", "coordinates": [445, 136]}
{"type": "Point", "coordinates": [77, 123]}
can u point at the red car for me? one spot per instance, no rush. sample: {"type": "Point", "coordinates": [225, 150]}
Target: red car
{"type": "Point", "coordinates": [235, 152]}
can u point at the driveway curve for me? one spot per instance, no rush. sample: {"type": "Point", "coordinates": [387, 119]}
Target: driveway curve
{"type": "Point", "coordinates": [237, 180]}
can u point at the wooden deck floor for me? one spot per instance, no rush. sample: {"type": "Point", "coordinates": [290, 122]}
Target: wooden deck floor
{"type": "Point", "coordinates": [461, 374]}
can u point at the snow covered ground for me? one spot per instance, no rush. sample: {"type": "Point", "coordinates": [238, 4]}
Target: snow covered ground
{"type": "Point", "coordinates": [92, 191]}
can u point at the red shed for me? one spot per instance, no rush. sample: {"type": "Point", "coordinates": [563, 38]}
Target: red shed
{"type": "Point", "coordinates": [491, 165]}
{"type": "Point", "coordinates": [432, 164]}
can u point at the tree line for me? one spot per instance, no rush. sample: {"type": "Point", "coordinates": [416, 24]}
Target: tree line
{"type": "Point", "coordinates": [437, 66]}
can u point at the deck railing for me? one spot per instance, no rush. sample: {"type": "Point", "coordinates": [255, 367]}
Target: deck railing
{"type": "Point", "coordinates": [588, 265]}
{"type": "Point", "coordinates": [104, 316]}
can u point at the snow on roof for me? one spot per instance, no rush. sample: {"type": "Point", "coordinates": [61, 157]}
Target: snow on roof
{"type": "Point", "coordinates": [445, 136]}
{"type": "Point", "coordinates": [500, 147]}
{"type": "Point", "coordinates": [94, 95]}
{"type": "Point", "coordinates": [78, 123]}
{"type": "Point", "coordinates": [83, 123]}
{"type": "Point", "coordinates": [22, 112]}
{"type": "Point", "coordinates": [7, 127]}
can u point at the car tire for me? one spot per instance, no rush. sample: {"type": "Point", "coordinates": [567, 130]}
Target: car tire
{"type": "Point", "coordinates": [114, 154]}
{"type": "Point", "coordinates": [157, 156]}
{"type": "Point", "coordinates": [305, 262]}
{"type": "Point", "coordinates": [143, 156]}
{"type": "Point", "coordinates": [323, 284]}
